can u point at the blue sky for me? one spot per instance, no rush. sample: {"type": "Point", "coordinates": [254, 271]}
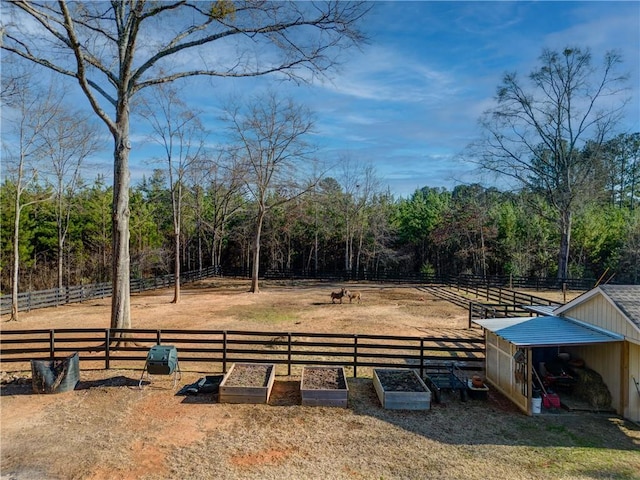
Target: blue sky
{"type": "Point", "coordinates": [409, 101]}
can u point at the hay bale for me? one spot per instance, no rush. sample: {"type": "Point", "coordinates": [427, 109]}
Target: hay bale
{"type": "Point", "coordinates": [591, 388]}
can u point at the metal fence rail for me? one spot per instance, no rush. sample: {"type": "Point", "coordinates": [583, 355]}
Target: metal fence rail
{"type": "Point", "coordinates": [213, 350]}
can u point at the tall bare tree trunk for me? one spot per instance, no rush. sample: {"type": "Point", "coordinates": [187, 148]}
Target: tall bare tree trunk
{"type": "Point", "coordinates": [255, 269]}
{"type": "Point", "coordinates": [176, 266]}
{"type": "Point", "coordinates": [565, 241]}
{"type": "Point", "coordinates": [60, 262]}
{"type": "Point", "coordinates": [120, 301]}
{"type": "Point", "coordinates": [176, 205]}
{"type": "Point", "coordinates": [16, 258]}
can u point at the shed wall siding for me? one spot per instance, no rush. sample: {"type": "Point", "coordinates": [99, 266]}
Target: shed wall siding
{"type": "Point", "coordinates": [500, 368]}
{"type": "Point", "coordinates": [632, 410]}
{"type": "Point", "coordinates": [600, 312]}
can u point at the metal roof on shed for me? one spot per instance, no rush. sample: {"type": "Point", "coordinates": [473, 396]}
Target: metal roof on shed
{"type": "Point", "coordinates": [541, 309]}
{"type": "Point", "coordinates": [547, 331]}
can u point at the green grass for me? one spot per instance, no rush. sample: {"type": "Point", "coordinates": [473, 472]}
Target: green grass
{"type": "Point", "coordinates": [265, 315]}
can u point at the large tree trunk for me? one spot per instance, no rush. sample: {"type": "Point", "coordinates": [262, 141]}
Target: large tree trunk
{"type": "Point", "coordinates": [120, 302]}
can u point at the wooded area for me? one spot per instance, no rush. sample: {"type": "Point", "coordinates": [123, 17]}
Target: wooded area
{"type": "Point", "coordinates": [470, 230]}
{"type": "Point", "coordinates": [257, 201]}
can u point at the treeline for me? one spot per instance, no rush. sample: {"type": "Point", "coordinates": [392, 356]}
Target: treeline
{"type": "Point", "coordinates": [337, 226]}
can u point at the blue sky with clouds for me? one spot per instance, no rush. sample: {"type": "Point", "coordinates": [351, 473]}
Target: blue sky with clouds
{"type": "Point", "coordinates": [409, 101]}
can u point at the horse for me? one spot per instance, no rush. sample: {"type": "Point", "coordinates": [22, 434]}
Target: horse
{"type": "Point", "coordinates": [338, 295]}
{"type": "Point", "coordinates": [353, 295]}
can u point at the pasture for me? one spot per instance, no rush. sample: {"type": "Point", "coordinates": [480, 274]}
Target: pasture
{"type": "Point", "coordinates": [109, 429]}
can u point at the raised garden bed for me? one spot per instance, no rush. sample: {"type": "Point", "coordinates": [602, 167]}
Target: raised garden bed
{"type": "Point", "coordinates": [324, 386]}
{"type": "Point", "coordinates": [247, 383]}
{"type": "Point", "coordinates": [400, 389]}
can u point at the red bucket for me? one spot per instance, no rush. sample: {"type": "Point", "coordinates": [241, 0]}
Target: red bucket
{"type": "Point", "coordinates": [551, 400]}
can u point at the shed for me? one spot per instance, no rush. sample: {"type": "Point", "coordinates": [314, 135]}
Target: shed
{"type": "Point", "coordinates": [515, 345]}
{"type": "Point", "coordinates": [600, 327]}
{"type": "Point", "coordinates": [615, 308]}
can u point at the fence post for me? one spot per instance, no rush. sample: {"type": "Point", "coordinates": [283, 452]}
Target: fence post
{"type": "Point", "coordinates": [289, 354]}
{"type": "Point", "coordinates": [107, 335]}
{"type": "Point", "coordinates": [355, 356]}
{"type": "Point", "coordinates": [52, 343]}
{"type": "Point", "coordinates": [470, 314]}
{"type": "Point", "coordinates": [224, 351]}
{"type": "Point", "coordinates": [158, 337]}
{"type": "Point", "coordinates": [422, 357]}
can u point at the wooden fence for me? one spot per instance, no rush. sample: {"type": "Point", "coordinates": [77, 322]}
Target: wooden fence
{"type": "Point", "coordinates": [497, 302]}
{"type": "Point", "coordinates": [75, 294]}
{"type": "Point", "coordinates": [215, 350]}
{"type": "Point", "coordinates": [504, 296]}
{"type": "Point", "coordinates": [394, 276]}
{"type": "Point", "coordinates": [471, 283]}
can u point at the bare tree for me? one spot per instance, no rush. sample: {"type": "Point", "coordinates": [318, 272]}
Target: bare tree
{"type": "Point", "coordinates": [114, 50]}
{"type": "Point", "coordinates": [359, 183]}
{"type": "Point", "coordinates": [217, 197]}
{"type": "Point", "coordinates": [538, 135]}
{"type": "Point", "coordinates": [367, 189]}
{"type": "Point", "coordinates": [31, 112]}
{"type": "Point", "coordinates": [69, 139]}
{"type": "Point", "coordinates": [181, 135]}
{"type": "Point", "coordinates": [271, 137]}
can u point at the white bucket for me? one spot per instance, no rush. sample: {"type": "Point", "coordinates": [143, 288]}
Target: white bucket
{"type": "Point", "coordinates": [536, 405]}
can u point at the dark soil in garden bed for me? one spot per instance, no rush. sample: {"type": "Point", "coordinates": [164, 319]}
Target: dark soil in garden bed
{"type": "Point", "coordinates": [324, 379]}
{"type": "Point", "coordinates": [399, 381]}
{"type": "Point", "coordinates": [249, 376]}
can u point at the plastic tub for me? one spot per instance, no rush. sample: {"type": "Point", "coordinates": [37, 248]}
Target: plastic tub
{"type": "Point", "coordinates": [536, 405]}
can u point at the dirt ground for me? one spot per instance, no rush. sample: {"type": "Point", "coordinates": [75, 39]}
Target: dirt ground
{"type": "Point", "coordinates": [224, 304]}
{"type": "Point", "coordinates": [108, 428]}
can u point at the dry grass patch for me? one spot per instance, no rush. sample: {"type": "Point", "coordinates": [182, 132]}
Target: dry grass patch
{"type": "Point", "coordinates": [109, 429]}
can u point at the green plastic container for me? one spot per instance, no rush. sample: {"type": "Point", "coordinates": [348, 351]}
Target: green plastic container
{"type": "Point", "coordinates": [162, 360]}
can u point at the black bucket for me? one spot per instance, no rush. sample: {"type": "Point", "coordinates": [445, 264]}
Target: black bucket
{"type": "Point", "coordinates": [55, 376]}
